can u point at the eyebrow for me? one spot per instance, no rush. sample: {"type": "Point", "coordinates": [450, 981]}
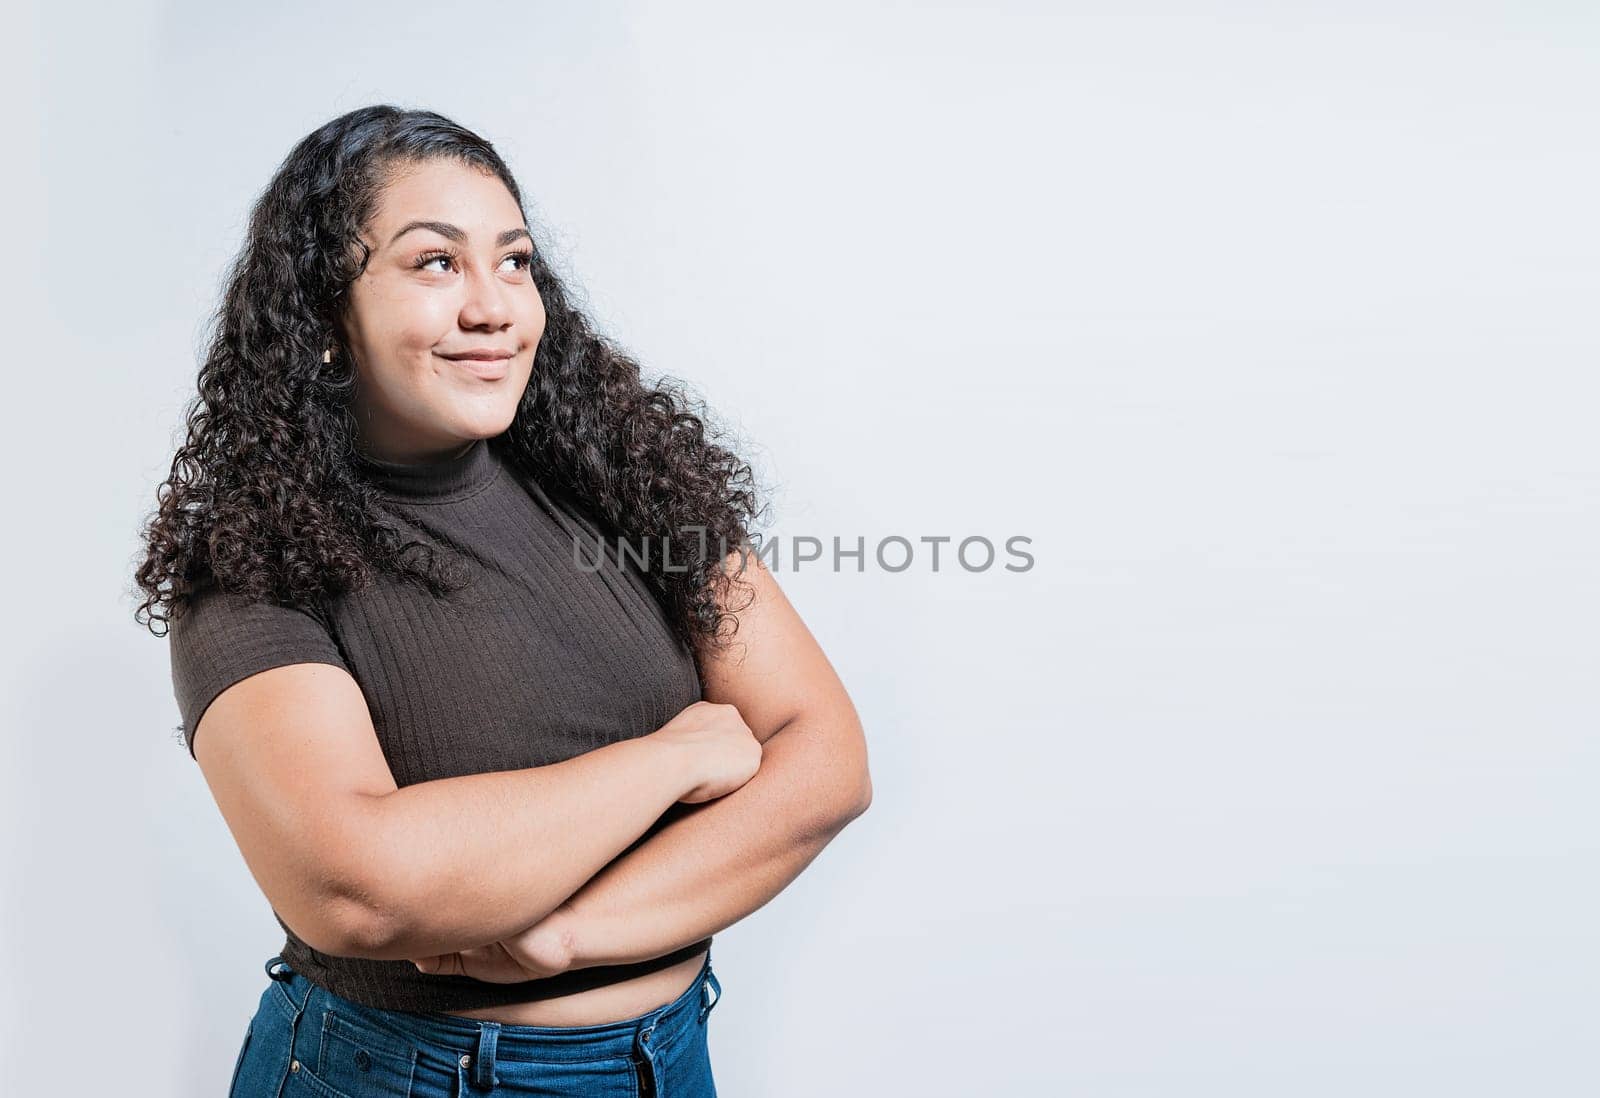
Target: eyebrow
{"type": "Point", "coordinates": [445, 229]}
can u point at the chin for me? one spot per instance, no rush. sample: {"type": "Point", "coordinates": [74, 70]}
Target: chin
{"type": "Point", "coordinates": [487, 425]}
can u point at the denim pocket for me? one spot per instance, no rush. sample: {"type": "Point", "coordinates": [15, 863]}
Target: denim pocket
{"type": "Point", "coordinates": [355, 1058]}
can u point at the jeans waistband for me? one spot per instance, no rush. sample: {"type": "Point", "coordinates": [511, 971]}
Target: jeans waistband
{"type": "Point", "coordinates": [452, 1037]}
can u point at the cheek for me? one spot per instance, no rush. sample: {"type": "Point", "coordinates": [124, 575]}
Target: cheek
{"type": "Point", "coordinates": [405, 326]}
{"type": "Point", "coordinates": [536, 315]}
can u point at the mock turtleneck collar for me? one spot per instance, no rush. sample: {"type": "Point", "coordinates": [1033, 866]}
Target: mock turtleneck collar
{"type": "Point", "coordinates": [434, 481]}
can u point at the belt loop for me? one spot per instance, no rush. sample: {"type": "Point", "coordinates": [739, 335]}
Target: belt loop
{"type": "Point", "coordinates": [297, 1045]}
{"type": "Point", "coordinates": [483, 1063]}
{"type": "Point", "coordinates": [275, 971]}
{"type": "Point", "coordinates": [710, 992]}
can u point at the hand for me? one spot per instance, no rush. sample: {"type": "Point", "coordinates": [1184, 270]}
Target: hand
{"type": "Point", "coordinates": [544, 949]}
{"type": "Point", "coordinates": [726, 752]}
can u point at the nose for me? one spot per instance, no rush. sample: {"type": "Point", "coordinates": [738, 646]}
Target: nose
{"type": "Point", "coordinates": [485, 305]}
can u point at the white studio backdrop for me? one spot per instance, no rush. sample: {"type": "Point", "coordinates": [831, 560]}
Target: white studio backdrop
{"type": "Point", "coordinates": [1270, 325]}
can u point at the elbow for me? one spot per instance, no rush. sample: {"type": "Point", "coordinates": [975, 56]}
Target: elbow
{"type": "Point", "coordinates": [332, 923]}
{"type": "Point", "coordinates": [350, 925]}
{"type": "Point", "coordinates": [369, 917]}
{"type": "Point", "coordinates": [848, 808]}
{"type": "Point", "coordinates": [863, 799]}
{"type": "Point", "coordinates": [857, 795]}
{"type": "Point", "coordinates": [369, 936]}
{"type": "Point", "coordinates": [363, 909]}
{"type": "Point", "coordinates": [856, 781]}
{"type": "Point", "coordinates": [334, 880]}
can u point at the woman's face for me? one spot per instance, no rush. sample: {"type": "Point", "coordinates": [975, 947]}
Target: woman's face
{"type": "Point", "coordinates": [448, 277]}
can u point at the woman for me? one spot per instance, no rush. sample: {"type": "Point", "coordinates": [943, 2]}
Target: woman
{"type": "Point", "coordinates": [489, 704]}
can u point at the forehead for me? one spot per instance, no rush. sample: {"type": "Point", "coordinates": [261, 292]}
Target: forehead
{"type": "Point", "coordinates": [444, 190]}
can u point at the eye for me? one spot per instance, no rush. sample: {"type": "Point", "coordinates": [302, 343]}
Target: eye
{"type": "Point", "coordinates": [525, 256]}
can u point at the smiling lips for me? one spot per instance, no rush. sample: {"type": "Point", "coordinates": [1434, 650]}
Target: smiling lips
{"type": "Point", "coordinates": [483, 354]}
{"type": "Point", "coordinates": [488, 363]}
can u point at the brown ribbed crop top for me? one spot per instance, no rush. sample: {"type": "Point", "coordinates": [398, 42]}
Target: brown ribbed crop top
{"type": "Point", "coordinates": [539, 659]}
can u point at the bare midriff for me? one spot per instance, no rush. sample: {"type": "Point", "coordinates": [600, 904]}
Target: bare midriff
{"type": "Point", "coordinates": [597, 1005]}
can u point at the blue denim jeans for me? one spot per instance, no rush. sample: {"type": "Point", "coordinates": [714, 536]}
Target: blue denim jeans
{"type": "Point", "coordinates": [305, 1041]}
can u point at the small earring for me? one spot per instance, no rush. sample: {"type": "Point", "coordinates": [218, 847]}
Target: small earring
{"type": "Point", "coordinates": [327, 356]}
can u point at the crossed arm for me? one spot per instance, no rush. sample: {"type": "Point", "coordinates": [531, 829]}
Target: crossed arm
{"type": "Point", "coordinates": [712, 864]}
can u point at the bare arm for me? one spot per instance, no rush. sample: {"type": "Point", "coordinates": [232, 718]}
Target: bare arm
{"type": "Point", "coordinates": [466, 860]}
{"type": "Point", "coordinates": [718, 862]}
{"type": "Point", "coordinates": [360, 868]}
{"type": "Point", "coordinates": [715, 863]}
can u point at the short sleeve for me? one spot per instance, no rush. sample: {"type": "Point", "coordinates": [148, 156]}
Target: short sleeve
{"type": "Point", "coordinates": [221, 638]}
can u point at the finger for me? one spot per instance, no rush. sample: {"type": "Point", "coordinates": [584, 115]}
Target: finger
{"type": "Point", "coordinates": [491, 964]}
{"type": "Point", "coordinates": [447, 964]}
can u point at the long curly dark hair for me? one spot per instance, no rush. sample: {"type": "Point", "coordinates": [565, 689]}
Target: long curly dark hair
{"type": "Point", "coordinates": [264, 497]}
